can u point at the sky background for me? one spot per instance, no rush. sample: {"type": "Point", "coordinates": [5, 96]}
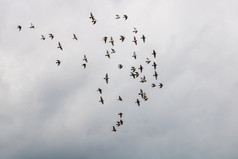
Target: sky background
{"type": "Point", "coordinates": [53, 112]}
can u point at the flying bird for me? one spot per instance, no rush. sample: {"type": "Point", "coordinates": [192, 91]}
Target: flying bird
{"type": "Point", "coordinates": [75, 37]}
{"type": "Point", "coordinates": [154, 53]}
{"type": "Point", "coordinates": [84, 65]}
{"type": "Point", "coordinates": [60, 46]}
{"type": "Point", "coordinates": [135, 41]}
{"type": "Point", "coordinates": [107, 54]}
{"type": "Point", "coordinates": [135, 30]}
{"type": "Point", "coordinates": [138, 102]}
{"type": "Point", "coordinates": [133, 75]}
{"type": "Point", "coordinates": [120, 66]}
{"type": "Point", "coordinates": [145, 97]}
{"type": "Point", "coordinates": [94, 21]}
{"type": "Point", "coordinates": [42, 37]}
{"type": "Point", "coordinates": [160, 85]}
{"type": "Point", "coordinates": [154, 65]}
{"type": "Point", "coordinates": [106, 78]}
{"type": "Point", "coordinates": [121, 121]}
{"type": "Point", "coordinates": [113, 51]}
{"type": "Point", "coordinates": [105, 39]}
{"type": "Point", "coordinates": [122, 38]}
{"type": "Point", "coordinates": [85, 58]}
{"type": "Point", "coordinates": [143, 79]}
{"type": "Point", "coordinates": [133, 69]}
{"type": "Point", "coordinates": [143, 38]}
{"type": "Point", "coordinates": [91, 16]}
{"type": "Point", "coordinates": [156, 75]}
{"type": "Point", "coordinates": [51, 36]}
{"type": "Point", "coordinates": [118, 123]}
{"type": "Point", "coordinates": [140, 68]}
{"type": "Point", "coordinates": [114, 129]}
{"type": "Point", "coordinates": [19, 27]}
{"type": "Point", "coordinates": [58, 62]}
{"type": "Point", "coordinates": [125, 16]}
{"type": "Point", "coordinates": [117, 17]}
{"type": "Point", "coordinates": [101, 100]}
{"type": "Point", "coordinates": [134, 55]}
{"type": "Point", "coordinates": [120, 114]}
{"type": "Point", "coordinates": [136, 74]}
{"type": "Point", "coordinates": [153, 85]}
{"type": "Point", "coordinates": [148, 60]}
{"type": "Point", "coordinates": [119, 98]}
{"type": "Point", "coordinates": [111, 41]}
{"type": "Point", "coordinates": [99, 90]}
{"type": "Point", "coordinates": [32, 26]}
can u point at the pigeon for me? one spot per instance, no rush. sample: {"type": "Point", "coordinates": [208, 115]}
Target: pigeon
{"type": "Point", "coordinates": [84, 65]}
{"type": "Point", "coordinates": [114, 129]}
{"type": "Point", "coordinates": [60, 46]}
{"type": "Point", "coordinates": [99, 90]}
{"type": "Point", "coordinates": [117, 17]}
{"type": "Point", "coordinates": [143, 38]}
{"type": "Point", "coordinates": [42, 37]}
{"type": "Point", "coordinates": [51, 36]}
{"type": "Point", "coordinates": [135, 41]}
{"type": "Point", "coordinates": [75, 37]}
{"type": "Point", "coordinates": [135, 30]}
{"type": "Point", "coordinates": [101, 100]}
{"type": "Point", "coordinates": [19, 27]}
{"type": "Point", "coordinates": [58, 62]}
{"type": "Point", "coordinates": [154, 53]}
{"type": "Point", "coordinates": [125, 16]}
{"type": "Point", "coordinates": [32, 26]}
{"type": "Point", "coordinates": [105, 39]}
{"type": "Point", "coordinates": [120, 114]}
{"type": "Point", "coordinates": [106, 78]}
{"type": "Point", "coordinates": [119, 98]}
{"type": "Point", "coordinates": [122, 38]}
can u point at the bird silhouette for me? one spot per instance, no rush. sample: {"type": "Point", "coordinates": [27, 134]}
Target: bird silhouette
{"type": "Point", "coordinates": [114, 129]}
{"type": "Point", "coordinates": [19, 27]}
{"type": "Point", "coordinates": [156, 75]}
{"type": "Point", "coordinates": [106, 78]}
{"type": "Point", "coordinates": [148, 60]}
{"type": "Point", "coordinates": [91, 16]}
{"type": "Point", "coordinates": [145, 97]}
{"type": "Point", "coordinates": [58, 62]}
{"type": "Point", "coordinates": [160, 85]}
{"type": "Point", "coordinates": [121, 122]}
{"type": "Point", "coordinates": [51, 36]}
{"type": "Point", "coordinates": [107, 54]}
{"type": "Point", "coordinates": [60, 46]}
{"type": "Point", "coordinates": [120, 114]}
{"type": "Point", "coordinates": [118, 123]}
{"type": "Point", "coordinates": [99, 90]}
{"type": "Point", "coordinates": [113, 51]}
{"type": "Point", "coordinates": [143, 38]}
{"type": "Point", "coordinates": [75, 37]}
{"type": "Point", "coordinates": [125, 16]}
{"type": "Point", "coordinates": [120, 66]}
{"type": "Point", "coordinates": [42, 37]}
{"type": "Point", "coordinates": [85, 58]}
{"type": "Point", "coordinates": [140, 68]}
{"type": "Point", "coordinates": [135, 30]}
{"type": "Point", "coordinates": [122, 38]}
{"type": "Point", "coordinates": [101, 100]}
{"type": "Point", "coordinates": [154, 53]}
{"type": "Point", "coordinates": [94, 21]}
{"type": "Point", "coordinates": [154, 65]}
{"type": "Point", "coordinates": [133, 69]}
{"type": "Point", "coordinates": [119, 98]}
{"type": "Point", "coordinates": [143, 79]}
{"type": "Point", "coordinates": [32, 26]}
{"type": "Point", "coordinates": [141, 93]}
{"type": "Point", "coordinates": [117, 17]}
{"type": "Point", "coordinates": [135, 41]}
{"type": "Point", "coordinates": [105, 39]}
{"type": "Point", "coordinates": [84, 65]}
{"type": "Point", "coordinates": [134, 55]}
{"type": "Point", "coordinates": [111, 41]}
{"type": "Point", "coordinates": [137, 102]}
{"type": "Point", "coordinates": [153, 85]}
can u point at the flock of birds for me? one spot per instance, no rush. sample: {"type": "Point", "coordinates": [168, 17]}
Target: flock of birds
{"type": "Point", "coordinates": [134, 73]}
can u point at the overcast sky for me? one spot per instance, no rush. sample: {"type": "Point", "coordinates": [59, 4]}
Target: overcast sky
{"type": "Point", "coordinates": [53, 112]}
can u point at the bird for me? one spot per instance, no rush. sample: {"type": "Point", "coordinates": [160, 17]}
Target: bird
{"type": "Point", "coordinates": [105, 39]}
{"type": "Point", "coordinates": [19, 27]}
{"type": "Point", "coordinates": [60, 46]}
{"type": "Point", "coordinates": [125, 16]}
{"type": "Point", "coordinates": [120, 66]}
{"type": "Point", "coordinates": [91, 16]}
{"type": "Point", "coordinates": [117, 17]}
{"type": "Point", "coordinates": [84, 65]}
{"type": "Point", "coordinates": [133, 75]}
{"type": "Point", "coordinates": [143, 79]}
{"type": "Point", "coordinates": [51, 36]}
{"type": "Point", "coordinates": [154, 65]}
{"type": "Point", "coordinates": [136, 74]}
{"type": "Point", "coordinates": [119, 98]}
{"type": "Point", "coordinates": [106, 78]}
{"type": "Point", "coordinates": [160, 85]}
{"type": "Point", "coordinates": [113, 51]}
{"type": "Point", "coordinates": [156, 75]}
{"type": "Point", "coordinates": [58, 62]}
{"type": "Point", "coordinates": [75, 37]}
{"type": "Point", "coordinates": [118, 123]}
{"type": "Point", "coordinates": [154, 53]}
{"type": "Point", "coordinates": [140, 68]}
{"type": "Point", "coordinates": [85, 58]}
{"type": "Point", "coordinates": [32, 26]}
{"type": "Point", "coordinates": [135, 30]}
{"type": "Point", "coordinates": [133, 69]}
{"type": "Point", "coordinates": [138, 102]}
{"type": "Point", "coordinates": [99, 90]}
{"type": "Point", "coordinates": [145, 97]}
{"type": "Point", "coordinates": [111, 41]}
{"type": "Point", "coordinates": [94, 21]}
{"type": "Point", "coordinates": [42, 37]}
{"type": "Point", "coordinates": [143, 38]}
{"type": "Point", "coordinates": [134, 55]}
{"type": "Point", "coordinates": [114, 129]}
{"type": "Point", "coordinates": [147, 60]}
{"type": "Point", "coordinates": [107, 54]}
{"type": "Point", "coordinates": [153, 85]}
{"type": "Point", "coordinates": [120, 114]}
{"type": "Point", "coordinates": [121, 122]}
{"type": "Point", "coordinates": [135, 41]}
{"type": "Point", "coordinates": [122, 38]}
{"type": "Point", "coordinates": [101, 100]}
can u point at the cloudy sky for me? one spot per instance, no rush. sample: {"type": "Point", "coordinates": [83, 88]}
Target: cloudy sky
{"type": "Point", "coordinates": [53, 112]}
